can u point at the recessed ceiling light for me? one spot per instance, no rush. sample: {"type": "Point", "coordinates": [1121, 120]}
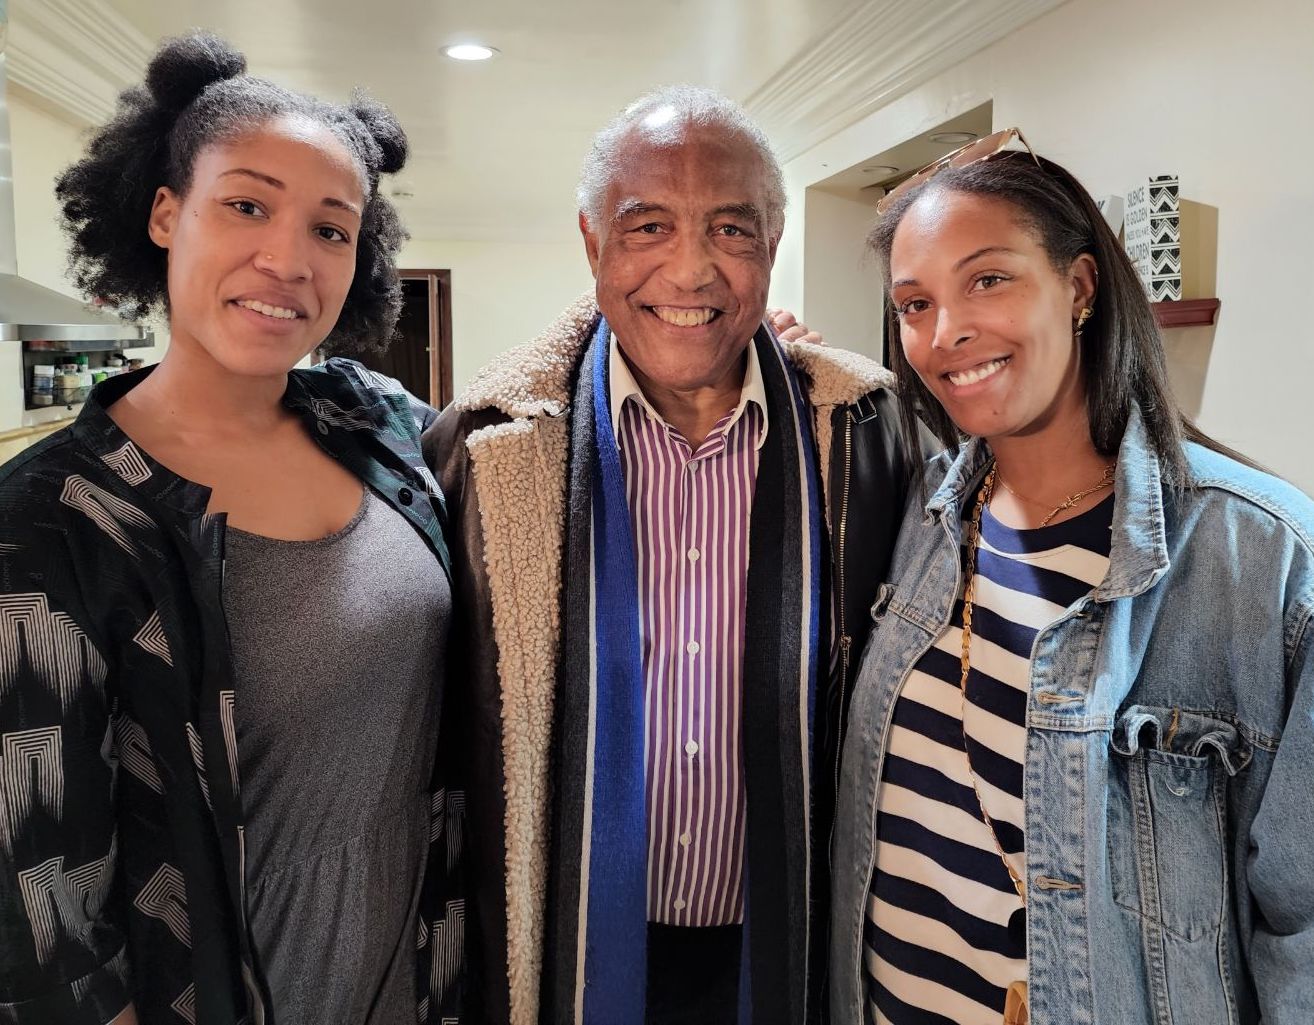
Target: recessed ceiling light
{"type": "Point", "coordinates": [953, 138]}
{"type": "Point", "coordinates": [880, 169]}
{"type": "Point", "coordinates": [469, 52]}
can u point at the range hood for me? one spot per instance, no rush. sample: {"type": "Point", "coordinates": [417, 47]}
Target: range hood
{"type": "Point", "coordinates": [31, 312]}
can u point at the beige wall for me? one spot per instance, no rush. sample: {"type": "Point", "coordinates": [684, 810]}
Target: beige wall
{"type": "Point", "coordinates": [1116, 90]}
{"type": "Point", "coordinates": [502, 293]}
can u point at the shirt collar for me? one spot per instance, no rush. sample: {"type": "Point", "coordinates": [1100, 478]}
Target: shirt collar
{"type": "Point", "coordinates": [623, 386]}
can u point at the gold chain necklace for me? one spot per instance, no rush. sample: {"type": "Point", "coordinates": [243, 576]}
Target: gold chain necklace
{"type": "Point", "coordinates": [1016, 1006]}
{"type": "Point", "coordinates": [1105, 481]}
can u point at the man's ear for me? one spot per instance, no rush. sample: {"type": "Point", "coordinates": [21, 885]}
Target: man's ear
{"type": "Point", "coordinates": [592, 244]}
{"type": "Point", "coordinates": [164, 217]}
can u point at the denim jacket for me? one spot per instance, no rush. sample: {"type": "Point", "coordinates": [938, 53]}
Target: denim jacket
{"type": "Point", "coordinates": [1169, 768]}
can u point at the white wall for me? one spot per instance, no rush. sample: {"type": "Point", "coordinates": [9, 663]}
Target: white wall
{"type": "Point", "coordinates": [1116, 91]}
{"type": "Point", "coordinates": [503, 293]}
{"type": "Point", "coordinates": [839, 274]}
{"type": "Point", "coordinates": [43, 146]}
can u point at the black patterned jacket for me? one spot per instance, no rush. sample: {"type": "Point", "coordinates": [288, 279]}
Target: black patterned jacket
{"type": "Point", "coordinates": [121, 844]}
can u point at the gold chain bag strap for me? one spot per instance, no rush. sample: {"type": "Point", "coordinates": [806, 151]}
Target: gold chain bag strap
{"type": "Point", "coordinates": [1015, 1003]}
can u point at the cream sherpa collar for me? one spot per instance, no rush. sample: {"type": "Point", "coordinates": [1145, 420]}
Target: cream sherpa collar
{"type": "Point", "coordinates": [534, 378]}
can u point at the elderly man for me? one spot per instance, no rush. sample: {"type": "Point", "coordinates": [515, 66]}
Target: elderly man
{"type": "Point", "coordinates": [671, 526]}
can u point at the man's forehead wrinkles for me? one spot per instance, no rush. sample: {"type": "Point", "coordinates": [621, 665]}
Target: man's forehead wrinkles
{"type": "Point", "coordinates": [699, 206]}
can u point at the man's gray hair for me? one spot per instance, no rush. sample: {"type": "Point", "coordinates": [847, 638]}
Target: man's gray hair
{"type": "Point", "coordinates": [664, 114]}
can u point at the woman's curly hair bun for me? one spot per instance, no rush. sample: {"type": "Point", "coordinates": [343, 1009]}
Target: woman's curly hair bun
{"type": "Point", "coordinates": [198, 93]}
{"type": "Point", "coordinates": [383, 128]}
{"type": "Point", "coordinates": [183, 67]}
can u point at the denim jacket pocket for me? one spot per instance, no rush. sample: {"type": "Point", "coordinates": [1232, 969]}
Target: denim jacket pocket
{"type": "Point", "coordinates": [1166, 827]}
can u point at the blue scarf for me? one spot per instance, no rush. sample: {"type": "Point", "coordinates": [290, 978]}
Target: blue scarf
{"type": "Point", "coordinates": [595, 969]}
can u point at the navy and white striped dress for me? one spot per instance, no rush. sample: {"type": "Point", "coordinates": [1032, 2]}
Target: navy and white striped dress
{"type": "Point", "coordinates": [945, 931]}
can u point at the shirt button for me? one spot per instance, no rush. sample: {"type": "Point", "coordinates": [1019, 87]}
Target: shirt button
{"type": "Point", "coordinates": [321, 426]}
{"type": "Point", "coordinates": [691, 748]}
{"type": "Point", "coordinates": [694, 554]}
{"type": "Point", "coordinates": [685, 839]}
{"type": "Point", "coordinates": [678, 904]}
{"type": "Point", "coordinates": [693, 464]}
{"type": "Point", "coordinates": [405, 496]}
{"type": "Point", "coordinates": [692, 648]}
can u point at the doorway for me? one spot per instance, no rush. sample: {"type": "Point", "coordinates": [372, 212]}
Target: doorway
{"type": "Point", "coordinates": [420, 356]}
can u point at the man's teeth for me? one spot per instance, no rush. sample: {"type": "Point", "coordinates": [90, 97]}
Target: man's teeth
{"type": "Point", "coordinates": [963, 377]}
{"type": "Point", "coordinates": [683, 317]}
{"type": "Point", "coordinates": [278, 312]}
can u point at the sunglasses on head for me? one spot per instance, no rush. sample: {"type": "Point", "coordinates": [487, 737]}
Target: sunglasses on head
{"type": "Point", "coordinates": [986, 148]}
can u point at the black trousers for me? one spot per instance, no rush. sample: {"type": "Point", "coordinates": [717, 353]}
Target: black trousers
{"type": "Point", "coordinates": [693, 974]}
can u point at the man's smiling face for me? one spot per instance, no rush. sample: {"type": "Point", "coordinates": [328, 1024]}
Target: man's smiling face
{"type": "Point", "coordinates": [683, 259]}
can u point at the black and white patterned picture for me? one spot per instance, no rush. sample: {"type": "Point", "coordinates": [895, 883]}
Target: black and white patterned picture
{"type": "Point", "coordinates": [1153, 236]}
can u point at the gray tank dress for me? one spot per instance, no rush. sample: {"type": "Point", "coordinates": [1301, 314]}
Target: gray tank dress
{"type": "Point", "coordinates": [338, 649]}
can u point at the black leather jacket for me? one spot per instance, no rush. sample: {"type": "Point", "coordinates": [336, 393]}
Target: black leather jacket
{"type": "Point", "coordinates": [869, 480]}
{"type": "Point", "coordinates": [870, 477]}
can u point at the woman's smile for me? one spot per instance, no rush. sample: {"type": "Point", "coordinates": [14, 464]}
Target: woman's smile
{"type": "Point", "coordinates": [978, 374]}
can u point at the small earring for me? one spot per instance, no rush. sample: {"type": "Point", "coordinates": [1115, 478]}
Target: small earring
{"type": "Point", "coordinates": [1085, 315]}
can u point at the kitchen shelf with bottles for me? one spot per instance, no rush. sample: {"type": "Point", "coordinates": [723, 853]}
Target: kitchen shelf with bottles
{"type": "Point", "coordinates": [75, 367]}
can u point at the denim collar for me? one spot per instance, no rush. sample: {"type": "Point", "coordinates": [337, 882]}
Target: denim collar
{"type": "Point", "coordinates": [1138, 555]}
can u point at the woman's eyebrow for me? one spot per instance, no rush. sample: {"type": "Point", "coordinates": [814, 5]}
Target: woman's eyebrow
{"type": "Point", "coordinates": [269, 179]}
{"type": "Point", "coordinates": [982, 252]}
{"type": "Point", "coordinates": [961, 263]}
{"type": "Point", "coordinates": [340, 204]}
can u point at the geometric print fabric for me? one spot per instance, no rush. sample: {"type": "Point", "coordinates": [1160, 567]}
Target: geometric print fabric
{"type": "Point", "coordinates": [112, 659]}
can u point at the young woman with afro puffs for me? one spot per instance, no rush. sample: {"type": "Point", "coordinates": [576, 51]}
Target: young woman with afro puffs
{"type": "Point", "coordinates": [224, 594]}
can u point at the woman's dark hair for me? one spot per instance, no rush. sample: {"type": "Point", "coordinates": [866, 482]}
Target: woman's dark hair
{"type": "Point", "coordinates": [197, 93]}
{"type": "Point", "coordinates": [1122, 353]}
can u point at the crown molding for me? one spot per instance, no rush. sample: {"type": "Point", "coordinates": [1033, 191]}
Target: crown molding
{"type": "Point", "coordinates": [873, 54]}
{"type": "Point", "coordinates": [75, 55]}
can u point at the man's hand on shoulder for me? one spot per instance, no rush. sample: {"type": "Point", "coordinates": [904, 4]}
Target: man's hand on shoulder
{"type": "Point", "coordinates": [788, 328]}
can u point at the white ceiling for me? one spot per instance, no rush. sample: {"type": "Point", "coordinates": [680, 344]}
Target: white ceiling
{"type": "Point", "coordinates": [868, 180]}
{"type": "Point", "coordinates": [496, 147]}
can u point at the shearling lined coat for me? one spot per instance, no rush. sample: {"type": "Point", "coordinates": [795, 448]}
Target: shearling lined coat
{"type": "Point", "coordinates": [500, 453]}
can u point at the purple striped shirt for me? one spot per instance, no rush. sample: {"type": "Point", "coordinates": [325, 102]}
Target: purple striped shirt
{"type": "Point", "coordinates": [690, 515]}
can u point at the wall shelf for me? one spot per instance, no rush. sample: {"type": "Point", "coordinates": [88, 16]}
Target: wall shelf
{"type": "Point", "coordinates": [1186, 312]}
{"type": "Point", "coordinates": [53, 352]}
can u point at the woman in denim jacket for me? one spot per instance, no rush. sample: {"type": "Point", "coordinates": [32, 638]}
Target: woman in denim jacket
{"type": "Point", "coordinates": [1092, 805]}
